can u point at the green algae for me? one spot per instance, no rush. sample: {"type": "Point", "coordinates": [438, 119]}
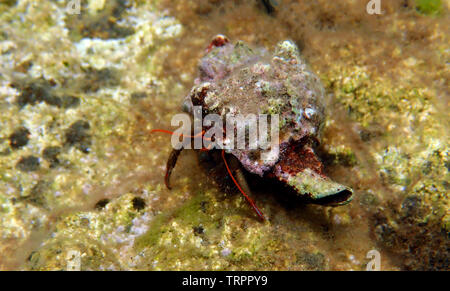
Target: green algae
{"type": "Point", "coordinates": [57, 255]}
{"type": "Point", "coordinates": [190, 212]}
{"type": "Point", "coordinates": [429, 7]}
{"type": "Point", "coordinates": [100, 22]}
{"type": "Point", "coordinates": [340, 155]}
{"type": "Point", "coordinates": [156, 228]}
{"type": "Point", "coordinates": [313, 261]}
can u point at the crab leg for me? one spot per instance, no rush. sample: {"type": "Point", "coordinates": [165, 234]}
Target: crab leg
{"type": "Point", "coordinates": [242, 182]}
{"type": "Point", "coordinates": [173, 157]}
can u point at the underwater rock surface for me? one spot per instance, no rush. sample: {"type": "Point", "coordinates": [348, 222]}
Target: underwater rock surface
{"type": "Point", "coordinates": [80, 172]}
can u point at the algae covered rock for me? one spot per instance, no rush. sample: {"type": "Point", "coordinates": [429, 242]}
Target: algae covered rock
{"type": "Point", "coordinates": [80, 174]}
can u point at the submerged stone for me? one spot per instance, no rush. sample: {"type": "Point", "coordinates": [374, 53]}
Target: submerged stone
{"type": "Point", "coordinates": [50, 154]}
{"type": "Point", "coordinates": [19, 138]}
{"type": "Point", "coordinates": [28, 164]}
{"type": "Point", "coordinates": [77, 135]}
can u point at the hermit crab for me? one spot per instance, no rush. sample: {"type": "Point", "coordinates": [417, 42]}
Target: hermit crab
{"type": "Point", "coordinates": [239, 80]}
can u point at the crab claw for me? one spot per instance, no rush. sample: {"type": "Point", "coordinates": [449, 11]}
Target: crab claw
{"type": "Point", "coordinates": [320, 189]}
{"type": "Point", "coordinates": [302, 171]}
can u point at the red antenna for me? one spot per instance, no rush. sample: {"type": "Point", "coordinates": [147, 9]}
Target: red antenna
{"type": "Point", "coordinates": [242, 191]}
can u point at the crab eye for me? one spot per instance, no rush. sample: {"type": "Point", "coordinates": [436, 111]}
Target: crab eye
{"type": "Point", "coordinates": [339, 198]}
